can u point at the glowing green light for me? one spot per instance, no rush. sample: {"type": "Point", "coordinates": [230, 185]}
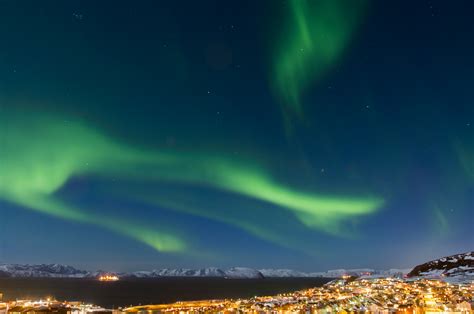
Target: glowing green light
{"type": "Point", "coordinates": [314, 38]}
{"type": "Point", "coordinates": [466, 157]}
{"type": "Point", "coordinates": [41, 153]}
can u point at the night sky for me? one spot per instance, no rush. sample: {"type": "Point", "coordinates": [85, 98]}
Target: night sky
{"type": "Point", "coordinates": [298, 134]}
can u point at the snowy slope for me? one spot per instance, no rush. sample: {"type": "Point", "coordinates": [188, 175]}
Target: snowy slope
{"type": "Point", "coordinates": [180, 272]}
{"type": "Point", "coordinates": [459, 266]}
{"type": "Point", "coordinates": [278, 273]}
{"type": "Point", "coordinates": [42, 270]}
{"type": "Point", "coordinates": [243, 273]}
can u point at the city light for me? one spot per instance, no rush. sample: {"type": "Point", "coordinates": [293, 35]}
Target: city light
{"type": "Point", "coordinates": [108, 278]}
{"type": "Point", "coordinates": [368, 295]}
{"type": "Point", "coordinates": [380, 295]}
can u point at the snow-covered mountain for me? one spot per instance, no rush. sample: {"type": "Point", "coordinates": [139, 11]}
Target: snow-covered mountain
{"type": "Point", "coordinates": [243, 273]}
{"type": "Point", "coordinates": [63, 271]}
{"type": "Point", "coordinates": [183, 272]}
{"type": "Point", "coordinates": [335, 273]}
{"type": "Point", "coordinates": [278, 273]}
{"type": "Point", "coordinates": [456, 267]}
{"type": "Point", "coordinates": [42, 270]}
{"type": "Point", "coordinates": [234, 273]}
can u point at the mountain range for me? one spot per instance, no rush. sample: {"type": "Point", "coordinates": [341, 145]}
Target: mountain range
{"type": "Point", "coordinates": [455, 266]}
{"type": "Point", "coordinates": [65, 271]}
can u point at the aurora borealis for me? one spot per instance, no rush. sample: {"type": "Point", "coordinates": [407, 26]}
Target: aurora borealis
{"type": "Point", "coordinates": [316, 34]}
{"type": "Point", "coordinates": [289, 134]}
{"type": "Point", "coordinates": [35, 167]}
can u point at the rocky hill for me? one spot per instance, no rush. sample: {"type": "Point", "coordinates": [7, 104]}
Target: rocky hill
{"type": "Point", "coordinates": [459, 265]}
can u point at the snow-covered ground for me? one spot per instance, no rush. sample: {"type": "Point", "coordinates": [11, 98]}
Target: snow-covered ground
{"type": "Point", "coordinates": [455, 268]}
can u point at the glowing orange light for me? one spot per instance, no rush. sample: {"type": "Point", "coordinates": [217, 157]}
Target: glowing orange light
{"type": "Point", "coordinates": [108, 278]}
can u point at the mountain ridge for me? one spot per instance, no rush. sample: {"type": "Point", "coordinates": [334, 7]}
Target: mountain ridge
{"type": "Point", "coordinates": [453, 266]}
{"type": "Point", "coordinates": [66, 271]}
{"type": "Point", "coordinates": [457, 267]}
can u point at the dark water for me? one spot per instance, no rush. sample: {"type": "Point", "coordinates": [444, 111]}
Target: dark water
{"type": "Point", "coordinates": [149, 291]}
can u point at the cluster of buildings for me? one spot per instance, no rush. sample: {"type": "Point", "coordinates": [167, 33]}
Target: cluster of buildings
{"type": "Point", "coordinates": [50, 306]}
{"type": "Point", "coordinates": [379, 295]}
{"type": "Point", "coordinates": [346, 295]}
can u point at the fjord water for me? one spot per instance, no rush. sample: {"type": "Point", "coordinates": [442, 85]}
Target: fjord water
{"type": "Point", "coordinates": [149, 291]}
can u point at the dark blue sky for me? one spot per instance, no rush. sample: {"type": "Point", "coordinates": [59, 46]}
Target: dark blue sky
{"type": "Point", "coordinates": [290, 134]}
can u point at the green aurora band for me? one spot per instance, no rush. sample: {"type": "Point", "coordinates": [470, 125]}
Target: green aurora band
{"type": "Point", "coordinates": [41, 153]}
{"type": "Point", "coordinates": [466, 157]}
{"type": "Point", "coordinates": [314, 38]}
